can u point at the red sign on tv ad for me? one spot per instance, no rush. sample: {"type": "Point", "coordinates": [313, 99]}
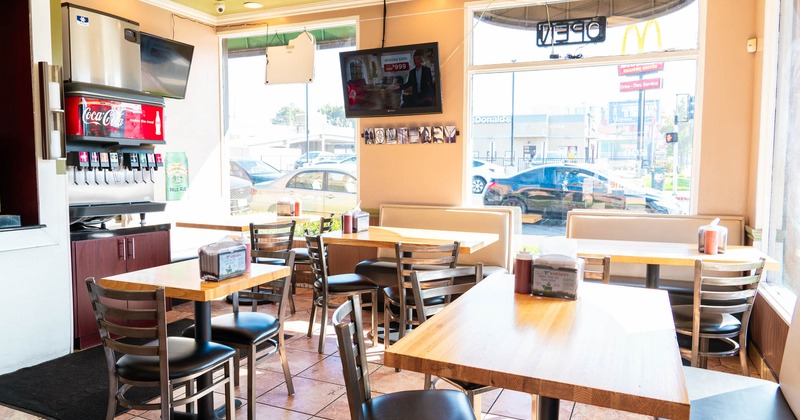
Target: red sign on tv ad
{"type": "Point", "coordinates": [629, 69]}
{"type": "Point", "coordinates": [640, 85]}
{"type": "Point", "coordinates": [108, 119]}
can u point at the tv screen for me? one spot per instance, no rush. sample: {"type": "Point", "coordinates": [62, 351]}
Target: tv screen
{"type": "Point", "coordinates": [391, 81]}
{"type": "Point", "coordinates": [165, 66]}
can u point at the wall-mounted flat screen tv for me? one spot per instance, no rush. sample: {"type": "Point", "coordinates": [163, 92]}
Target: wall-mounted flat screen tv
{"type": "Point", "coordinates": [391, 81]}
{"type": "Point", "coordinates": [165, 66]}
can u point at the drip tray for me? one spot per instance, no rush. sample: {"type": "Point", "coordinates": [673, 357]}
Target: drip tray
{"type": "Point", "coordinates": [113, 209]}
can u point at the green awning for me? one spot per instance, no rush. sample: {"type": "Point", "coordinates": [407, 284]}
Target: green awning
{"type": "Point", "coordinates": [326, 38]}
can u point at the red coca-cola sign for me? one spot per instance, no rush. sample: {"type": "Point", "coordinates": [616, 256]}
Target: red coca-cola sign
{"type": "Point", "coordinates": [95, 118]}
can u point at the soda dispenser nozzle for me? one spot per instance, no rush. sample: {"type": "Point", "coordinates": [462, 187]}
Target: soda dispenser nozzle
{"type": "Point", "coordinates": [94, 165]}
{"type": "Point", "coordinates": [113, 160]}
{"type": "Point", "coordinates": [142, 165]}
{"type": "Point", "coordinates": [105, 165]}
{"type": "Point", "coordinates": [78, 160]}
{"type": "Point", "coordinates": [151, 164]}
{"type": "Point", "coordinates": [131, 162]}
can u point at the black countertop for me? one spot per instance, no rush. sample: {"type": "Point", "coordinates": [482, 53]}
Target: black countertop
{"type": "Point", "coordinates": [87, 233]}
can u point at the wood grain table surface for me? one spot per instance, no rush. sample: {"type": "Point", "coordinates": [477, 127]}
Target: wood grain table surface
{"type": "Point", "coordinates": [613, 347]}
{"type": "Point", "coordinates": [240, 223]}
{"type": "Point", "coordinates": [387, 236]}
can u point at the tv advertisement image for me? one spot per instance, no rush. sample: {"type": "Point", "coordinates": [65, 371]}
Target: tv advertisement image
{"type": "Point", "coordinates": [391, 81]}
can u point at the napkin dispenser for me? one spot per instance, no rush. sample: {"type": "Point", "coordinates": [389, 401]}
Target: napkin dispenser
{"type": "Point", "coordinates": [285, 208]}
{"type": "Point", "coordinates": [222, 260]}
{"type": "Point", "coordinates": [360, 220]}
{"type": "Point", "coordinates": [557, 276]}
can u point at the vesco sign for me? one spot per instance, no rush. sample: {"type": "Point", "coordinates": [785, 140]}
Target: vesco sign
{"type": "Point", "coordinates": [492, 119]}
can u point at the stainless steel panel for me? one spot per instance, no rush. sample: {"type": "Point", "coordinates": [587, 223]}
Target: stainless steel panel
{"type": "Point", "coordinates": [101, 49]}
{"type": "Point", "coordinates": [123, 186]}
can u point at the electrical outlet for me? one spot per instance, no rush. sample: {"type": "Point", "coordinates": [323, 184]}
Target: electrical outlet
{"type": "Point", "coordinates": [752, 45]}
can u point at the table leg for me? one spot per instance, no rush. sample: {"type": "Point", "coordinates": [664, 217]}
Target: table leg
{"type": "Point", "coordinates": [202, 334]}
{"type": "Point", "coordinates": [652, 276]}
{"type": "Point", "coordinates": [547, 408]}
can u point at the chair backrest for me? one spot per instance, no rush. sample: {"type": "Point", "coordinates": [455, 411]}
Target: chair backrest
{"type": "Point", "coordinates": [318, 258]}
{"type": "Point", "coordinates": [412, 257]}
{"type": "Point", "coordinates": [270, 237]}
{"type": "Point", "coordinates": [789, 376]}
{"type": "Point", "coordinates": [275, 291]}
{"type": "Point", "coordinates": [114, 316]}
{"type": "Point", "coordinates": [724, 288]}
{"type": "Point", "coordinates": [433, 290]}
{"type": "Point", "coordinates": [596, 268]}
{"type": "Point", "coordinates": [350, 335]}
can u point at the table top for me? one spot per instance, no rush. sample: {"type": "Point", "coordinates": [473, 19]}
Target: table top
{"type": "Point", "coordinates": [614, 347]}
{"type": "Point", "coordinates": [666, 253]}
{"type": "Point", "coordinates": [240, 223]}
{"type": "Point", "coordinates": [387, 236]}
{"type": "Point", "coordinates": [182, 280]}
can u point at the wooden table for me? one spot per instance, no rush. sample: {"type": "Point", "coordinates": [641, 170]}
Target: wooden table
{"type": "Point", "coordinates": [182, 280]}
{"type": "Point", "coordinates": [387, 236]}
{"type": "Point", "coordinates": [656, 254]}
{"type": "Point", "coordinates": [240, 223]}
{"type": "Point", "coordinates": [614, 347]}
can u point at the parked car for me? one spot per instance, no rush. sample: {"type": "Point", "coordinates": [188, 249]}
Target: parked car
{"type": "Point", "coordinates": [482, 173]}
{"type": "Point", "coordinates": [347, 164]}
{"type": "Point", "coordinates": [255, 171]}
{"type": "Point", "coordinates": [552, 190]}
{"type": "Point", "coordinates": [311, 158]}
{"type": "Point", "coordinates": [241, 194]}
{"type": "Point", "coordinates": [319, 190]}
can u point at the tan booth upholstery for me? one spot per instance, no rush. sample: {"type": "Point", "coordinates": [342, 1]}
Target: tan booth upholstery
{"type": "Point", "coordinates": [631, 226]}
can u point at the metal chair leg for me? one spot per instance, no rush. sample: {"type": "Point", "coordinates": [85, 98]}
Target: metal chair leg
{"type": "Point", "coordinates": [251, 382]}
{"type": "Point", "coordinates": [313, 313]}
{"type": "Point", "coordinates": [287, 375]}
{"type": "Point", "coordinates": [230, 403]}
{"type": "Point", "coordinates": [323, 321]}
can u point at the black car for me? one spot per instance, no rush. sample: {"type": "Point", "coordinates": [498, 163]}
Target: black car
{"type": "Point", "coordinates": [552, 190]}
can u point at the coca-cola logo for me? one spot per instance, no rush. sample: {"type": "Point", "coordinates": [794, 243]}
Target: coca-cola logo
{"type": "Point", "coordinates": [109, 118]}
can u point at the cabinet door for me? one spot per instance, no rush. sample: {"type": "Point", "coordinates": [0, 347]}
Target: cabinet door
{"type": "Point", "coordinates": [92, 258]}
{"type": "Point", "coordinates": [145, 250]}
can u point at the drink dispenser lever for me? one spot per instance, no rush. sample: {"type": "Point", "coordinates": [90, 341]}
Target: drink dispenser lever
{"type": "Point", "coordinates": [94, 165]}
{"type": "Point", "coordinates": [151, 163]}
{"type": "Point", "coordinates": [142, 165]}
{"type": "Point", "coordinates": [113, 161]}
{"type": "Point", "coordinates": [105, 165]}
{"type": "Point", "coordinates": [131, 162]}
{"type": "Point", "coordinates": [78, 160]}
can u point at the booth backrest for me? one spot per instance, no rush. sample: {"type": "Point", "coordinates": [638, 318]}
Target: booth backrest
{"type": "Point", "coordinates": [631, 226]}
{"type": "Point", "coordinates": [504, 221]}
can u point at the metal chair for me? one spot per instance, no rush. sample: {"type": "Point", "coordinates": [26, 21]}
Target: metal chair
{"type": "Point", "coordinates": [161, 361]}
{"type": "Point", "coordinates": [398, 301]}
{"type": "Point", "coordinates": [326, 287]}
{"type": "Point", "coordinates": [248, 330]}
{"type": "Point", "coordinates": [433, 291]}
{"type": "Point", "coordinates": [417, 404]}
{"type": "Point", "coordinates": [597, 268]}
{"type": "Point", "coordinates": [720, 312]}
{"type": "Point", "coordinates": [267, 238]}
{"type": "Point", "coordinates": [302, 264]}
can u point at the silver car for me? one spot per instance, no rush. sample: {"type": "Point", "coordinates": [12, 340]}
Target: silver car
{"type": "Point", "coordinates": [319, 190]}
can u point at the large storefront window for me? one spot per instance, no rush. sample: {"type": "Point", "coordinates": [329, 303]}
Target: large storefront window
{"type": "Point", "coordinates": [783, 235]}
{"type": "Point", "coordinates": [279, 134]}
{"type": "Point", "coordinates": [594, 126]}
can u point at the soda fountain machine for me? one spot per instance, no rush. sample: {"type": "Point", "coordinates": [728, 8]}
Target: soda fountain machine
{"type": "Point", "coordinates": [111, 134]}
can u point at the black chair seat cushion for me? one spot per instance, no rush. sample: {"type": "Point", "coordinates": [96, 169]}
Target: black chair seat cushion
{"type": "Point", "coordinates": [419, 405]}
{"type": "Point", "coordinates": [709, 323]}
{"type": "Point", "coordinates": [273, 261]}
{"type": "Point", "coordinates": [301, 255]}
{"type": "Point", "coordinates": [346, 283]}
{"type": "Point", "coordinates": [186, 357]}
{"type": "Point", "coordinates": [719, 395]}
{"type": "Point", "coordinates": [394, 296]}
{"type": "Point", "coordinates": [244, 328]}
{"type": "Point", "coordinates": [383, 271]}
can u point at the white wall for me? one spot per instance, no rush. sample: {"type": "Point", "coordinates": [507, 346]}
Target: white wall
{"type": "Point", "coordinates": [36, 312]}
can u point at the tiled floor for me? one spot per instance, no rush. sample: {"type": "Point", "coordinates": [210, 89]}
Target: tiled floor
{"type": "Point", "coordinates": [319, 385]}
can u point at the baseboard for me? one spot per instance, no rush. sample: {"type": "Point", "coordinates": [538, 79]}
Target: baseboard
{"type": "Point", "coordinates": [764, 371]}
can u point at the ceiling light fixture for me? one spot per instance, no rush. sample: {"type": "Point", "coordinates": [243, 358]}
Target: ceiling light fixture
{"type": "Point", "coordinates": [253, 5]}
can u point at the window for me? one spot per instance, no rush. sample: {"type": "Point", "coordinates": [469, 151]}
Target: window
{"type": "Point", "coordinates": [585, 109]}
{"type": "Point", "coordinates": [288, 126]}
{"type": "Point", "coordinates": [782, 234]}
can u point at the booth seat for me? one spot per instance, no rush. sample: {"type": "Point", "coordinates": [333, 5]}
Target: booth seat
{"type": "Point", "coordinates": [632, 226]}
{"type": "Point", "coordinates": [496, 257]}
